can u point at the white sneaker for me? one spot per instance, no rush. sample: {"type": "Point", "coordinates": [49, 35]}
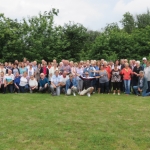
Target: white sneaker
{"type": "Point", "coordinates": [114, 93]}
{"type": "Point", "coordinates": [118, 93]}
{"type": "Point", "coordinates": [88, 94]}
{"type": "Point", "coordinates": [74, 94]}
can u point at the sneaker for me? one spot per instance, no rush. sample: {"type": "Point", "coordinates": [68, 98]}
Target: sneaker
{"type": "Point", "coordinates": [74, 94]}
{"type": "Point", "coordinates": [88, 94]}
{"type": "Point", "coordinates": [114, 93]}
{"type": "Point", "coordinates": [118, 93]}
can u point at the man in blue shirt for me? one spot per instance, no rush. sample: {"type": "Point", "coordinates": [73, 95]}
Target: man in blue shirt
{"type": "Point", "coordinates": [71, 85]}
{"type": "Point", "coordinates": [55, 84]}
{"type": "Point", "coordinates": [43, 83]}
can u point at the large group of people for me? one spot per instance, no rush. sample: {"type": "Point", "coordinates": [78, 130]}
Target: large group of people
{"type": "Point", "coordinates": [83, 78]}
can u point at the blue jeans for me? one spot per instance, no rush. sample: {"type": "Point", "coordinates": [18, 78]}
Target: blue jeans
{"type": "Point", "coordinates": [10, 88]}
{"type": "Point", "coordinates": [23, 89]}
{"type": "Point", "coordinates": [143, 92]}
{"type": "Point", "coordinates": [127, 86]}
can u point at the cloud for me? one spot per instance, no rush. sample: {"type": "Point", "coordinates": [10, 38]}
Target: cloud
{"type": "Point", "coordinates": [79, 11]}
{"type": "Point", "coordinates": [133, 6]}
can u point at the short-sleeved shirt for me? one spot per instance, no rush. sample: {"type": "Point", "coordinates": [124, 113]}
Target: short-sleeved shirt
{"type": "Point", "coordinates": [116, 77]}
{"type": "Point", "coordinates": [63, 79]}
{"type": "Point", "coordinates": [9, 78]}
{"type": "Point", "coordinates": [55, 79]}
{"type": "Point", "coordinates": [103, 77]}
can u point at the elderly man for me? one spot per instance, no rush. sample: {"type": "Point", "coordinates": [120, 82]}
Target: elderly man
{"type": "Point", "coordinates": [43, 83]}
{"type": "Point", "coordinates": [63, 78]}
{"type": "Point", "coordinates": [142, 85]}
{"type": "Point", "coordinates": [71, 85]}
{"type": "Point", "coordinates": [55, 84]}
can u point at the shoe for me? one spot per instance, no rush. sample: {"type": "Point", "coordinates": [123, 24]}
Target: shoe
{"type": "Point", "coordinates": [88, 94]}
{"type": "Point", "coordinates": [74, 94]}
{"type": "Point", "coordinates": [114, 93]}
{"type": "Point", "coordinates": [118, 93]}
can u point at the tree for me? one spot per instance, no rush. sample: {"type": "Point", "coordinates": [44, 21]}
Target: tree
{"type": "Point", "coordinates": [128, 22]}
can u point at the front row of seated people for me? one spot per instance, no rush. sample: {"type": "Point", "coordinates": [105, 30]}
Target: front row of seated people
{"type": "Point", "coordinates": [64, 83]}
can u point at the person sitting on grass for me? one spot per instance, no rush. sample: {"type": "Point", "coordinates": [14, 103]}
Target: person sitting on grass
{"type": "Point", "coordinates": [71, 85]}
{"type": "Point", "coordinates": [43, 83]}
{"type": "Point", "coordinates": [142, 85]}
{"type": "Point", "coordinates": [16, 83]}
{"type": "Point", "coordinates": [33, 84]}
{"type": "Point", "coordinates": [9, 81]}
{"type": "Point", "coordinates": [24, 85]}
{"type": "Point", "coordinates": [87, 88]}
{"type": "Point", "coordinates": [55, 84]}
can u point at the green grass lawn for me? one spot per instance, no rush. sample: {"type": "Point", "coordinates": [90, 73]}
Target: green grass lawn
{"type": "Point", "coordinates": [101, 122]}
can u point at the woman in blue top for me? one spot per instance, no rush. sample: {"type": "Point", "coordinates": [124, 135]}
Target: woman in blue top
{"type": "Point", "coordinates": [22, 69]}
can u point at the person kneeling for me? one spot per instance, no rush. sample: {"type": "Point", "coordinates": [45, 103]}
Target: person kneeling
{"type": "Point", "coordinates": [142, 85]}
{"type": "Point", "coordinates": [55, 84]}
{"type": "Point", "coordinates": [33, 84]}
{"type": "Point", "coordinates": [43, 83]}
{"type": "Point", "coordinates": [71, 85]}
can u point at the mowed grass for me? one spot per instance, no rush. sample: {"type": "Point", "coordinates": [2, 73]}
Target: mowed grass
{"type": "Point", "coordinates": [101, 122]}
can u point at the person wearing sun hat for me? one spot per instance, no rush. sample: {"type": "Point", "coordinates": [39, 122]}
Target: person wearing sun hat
{"type": "Point", "coordinates": [144, 62]}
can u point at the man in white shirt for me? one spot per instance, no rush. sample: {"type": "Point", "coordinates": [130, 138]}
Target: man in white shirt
{"type": "Point", "coordinates": [63, 78]}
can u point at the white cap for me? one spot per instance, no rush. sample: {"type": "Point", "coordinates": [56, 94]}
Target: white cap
{"type": "Point", "coordinates": [144, 58]}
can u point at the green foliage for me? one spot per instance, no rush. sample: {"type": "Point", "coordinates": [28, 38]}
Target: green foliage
{"type": "Point", "coordinates": [39, 38]}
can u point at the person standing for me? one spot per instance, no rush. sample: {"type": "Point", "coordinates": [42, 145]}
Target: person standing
{"type": "Point", "coordinates": [147, 74]}
{"type": "Point", "coordinates": [127, 72]}
{"type": "Point", "coordinates": [116, 79]}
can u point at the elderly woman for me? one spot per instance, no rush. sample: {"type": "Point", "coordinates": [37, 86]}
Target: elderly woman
{"type": "Point", "coordinates": [8, 81]}
{"type": "Point", "coordinates": [33, 84]}
{"type": "Point", "coordinates": [116, 79]}
{"type": "Point", "coordinates": [127, 72]}
{"type": "Point", "coordinates": [142, 85]}
{"type": "Point", "coordinates": [136, 71]}
{"type": "Point", "coordinates": [103, 80]}
{"type": "Point", "coordinates": [147, 74]}
{"type": "Point", "coordinates": [24, 83]}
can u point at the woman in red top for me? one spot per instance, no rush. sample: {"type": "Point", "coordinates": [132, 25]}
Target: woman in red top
{"type": "Point", "coordinates": [127, 72]}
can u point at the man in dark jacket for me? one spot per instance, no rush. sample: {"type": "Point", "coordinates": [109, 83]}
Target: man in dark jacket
{"type": "Point", "coordinates": [142, 85]}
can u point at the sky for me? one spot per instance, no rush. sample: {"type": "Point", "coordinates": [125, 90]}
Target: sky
{"type": "Point", "coordinates": [93, 14]}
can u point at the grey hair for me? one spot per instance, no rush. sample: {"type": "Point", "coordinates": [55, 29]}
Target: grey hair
{"type": "Point", "coordinates": [138, 62]}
